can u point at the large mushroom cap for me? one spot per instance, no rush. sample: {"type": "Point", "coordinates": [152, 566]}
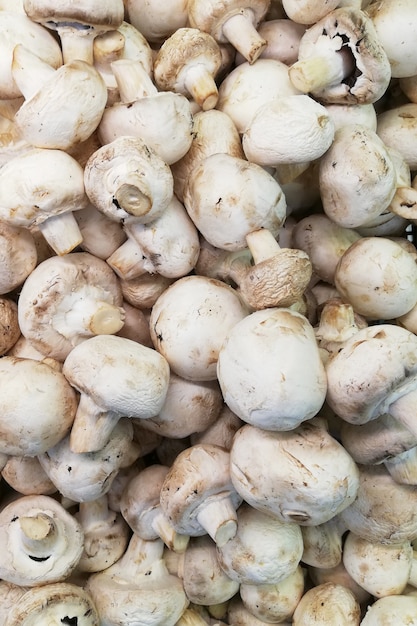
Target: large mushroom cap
{"type": "Point", "coordinates": [101, 13]}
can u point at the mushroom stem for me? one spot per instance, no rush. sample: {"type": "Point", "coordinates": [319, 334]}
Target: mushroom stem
{"type": "Point", "coordinates": [77, 43]}
{"type": "Point", "coordinates": [92, 426]}
{"type": "Point", "coordinates": [128, 261]}
{"type": "Point", "coordinates": [262, 244]}
{"type": "Point", "coordinates": [201, 85]}
{"type": "Point", "coordinates": [240, 31]}
{"type": "Point", "coordinates": [330, 64]}
{"type": "Point", "coordinates": [132, 80]}
{"type": "Point", "coordinates": [61, 232]}
{"type": "Point", "coordinates": [130, 198]}
{"type": "Point", "coordinates": [219, 519]}
{"type": "Point", "coordinates": [138, 557]}
{"type": "Point", "coordinates": [92, 513]}
{"type": "Point", "coordinates": [38, 535]}
{"type": "Point", "coordinates": [173, 540]}
{"type": "Point", "coordinates": [30, 72]}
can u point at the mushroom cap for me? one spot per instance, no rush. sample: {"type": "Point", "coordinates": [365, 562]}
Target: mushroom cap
{"type": "Point", "coordinates": [185, 46]}
{"type": "Point", "coordinates": [245, 196]}
{"type": "Point", "coordinates": [38, 184]}
{"type": "Point", "coordinates": [189, 322]}
{"type": "Point", "coordinates": [372, 72]}
{"type": "Point", "coordinates": [37, 406]}
{"type": "Point", "coordinates": [19, 565]}
{"type": "Point", "coordinates": [397, 128]}
{"type": "Point", "coordinates": [328, 602]}
{"type": "Point", "coordinates": [288, 129]}
{"type": "Point", "coordinates": [18, 256]}
{"type": "Point", "coordinates": [67, 108]}
{"type": "Point", "coordinates": [210, 15]}
{"type": "Point", "coordinates": [119, 374]}
{"type": "Point", "coordinates": [198, 476]}
{"type": "Point", "coordinates": [107, 14]}
{"type": "Point", "coordinates": [56, 601]}
{"type": "Point", "coordinates": [270, 370]}
{"type": "Point", "coordinates": [307, 12]}
{"type": "Point", "coordinates": [375, 367]}
{"type": "Point", "coordinates": [303, 476]}
{"type": "Point", "coordinates": [395, 610]}
{"type": "Point", "coordinates": [45, 303]}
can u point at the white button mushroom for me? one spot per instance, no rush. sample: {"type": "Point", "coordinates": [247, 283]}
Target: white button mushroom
{"type": "Point", "coordinates": [326, 603]}
{"type": "Point", "coordinates": [158, 21]}
{"type": "Point", "coordinates": [391, 611]}
{"type": "Point", "coordinates": [116, 377]}
{"type": "Point", "coordinates": [27, 477]}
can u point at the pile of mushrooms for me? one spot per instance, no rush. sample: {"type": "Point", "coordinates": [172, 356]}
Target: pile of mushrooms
{"type": "Point", "coordinates": [208, 312]}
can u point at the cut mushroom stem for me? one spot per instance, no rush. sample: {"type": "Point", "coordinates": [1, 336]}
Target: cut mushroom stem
{"type": "Point", "coordinates": [92, 426]}
{"type": "Point", "coordinates": [95, 317]}
{"type": "Point", "coordinates": [175, 541]}
{"type": "Point", "coordinates": [134, 201]}
{"type": "Point", "coordinates": [240, 31]}
{"type": "Point", "coordinates": [201, 86]}
{"type": "Point", "coordinates": [61, 232]}
{"type": "Point", "coordinates": [218, 518]}
{"type": "Point", "coordinates": [262, 244]}
{"type": "Point", "coordinates": [38, 535]}
{"type": "Point", "coordinates": [132, 80]}
{"type": "Point", "coordinates": [331, 63]}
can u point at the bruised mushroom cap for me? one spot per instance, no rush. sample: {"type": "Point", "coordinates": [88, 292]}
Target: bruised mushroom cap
{"type": "Point", "coordinates": [197, 487]}
{"type": "Point", "coordinates": [374, 368]}
{"type": "Point", "coordinates": [64, 603]}
{"type": "Point", "coordinates": [303, 476]}
{"type": "Point", "coordinates": [37, 406]}
{"type": "Point", "coordinates": [82, 300]}
{"type": "Point", "coordinates": [372, 72]}
{"type": "Point", "coordinates": [42, 541]}
{"type": "Point", "coordinates": [260, 381]}
{"type": "Point", "coordinates": [288, 129]}
{"type": "Point", "coordinates": [127, 180]}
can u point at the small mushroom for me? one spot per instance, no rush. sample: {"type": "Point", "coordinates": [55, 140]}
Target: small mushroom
{"type": "Point", "coordinates": [293, 476]}
{"type": "Point", "coordinates": [77, 24]}
{"type": "Point", "coordinates": [26, 476]}
{"type": "Point", "coordinates": [42, 541]}
{"type": "Point", "coordinates": [197, 495]}
{"type": "Point", "coordinates": [341, 59]}
{"type": "Point", "coordinates": [187, 63]}
{"type": "Point", "coordinates": [82, 299]}
{"type": "Point", "coordinates": [231, 21]}
{"type": "Point", "coordinates": [57, 603]}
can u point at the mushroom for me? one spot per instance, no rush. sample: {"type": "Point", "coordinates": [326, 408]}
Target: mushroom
{"type": "Point", "coordinates": [263, 551]}
{"type": "Point", "coordinates": [187, 63]}
{"type": "Point", "coordinates": [76, 24]}
{"type": "Point", "coordinates": [208, 306]}
{"type": "Point", "coordinates": [197, 495]}
{"type": "Point", "coordinates": [26, 476]}
{"type": "Point", "coordinates": [37, 406]}
{"type": "Point", "coordinates": [106, 535]}
{"type": "Point", "coordinates": [57, 603]}
{"type": "Point", "coordinates": [397, 128]}
{"type": "Point", "coordinates": [138, 588]}
{"type": "Point", "coordinates": [396, 16]}
{"type": "Point", "coordinates": [42, 541]}
{"type": "Point", "coordinates": [259, 382]}
{"type": "Point", "coordinates": [389, 287]}
{"type": "Point", "coordinates": [15, 29]}
{"type": "Point", "coordinates": [341, 59]}
{"type": "Point", "coordinates": [157, 22]}
{"type": "Point", "coordinates": [288, 129]}
{"type": "Point", "coordinates": [128, 181]}
{"type": "Point", "coordinates": [343, 114]}
{"type": "Point", "coordinates": [9, 325]}
{"type": "Point", "coordinates": [393, 610]}
{"type": "Point", "coordinates": [238, 614]}
{"type": "Point", "coordinates": [245, 195]}
{"type": "Point", "coordinates": [292, 476]}
{"type": "Point", "coordinates": [325, 603]}
{"type": "Point", "coordinates": [308, 11]}
{"type": "Point", "coordinates": [63, 106]}
{"type": "Point", "coordinates": [147, 113]}
{"type": "Point", "coordinates": [337, 323]}
{"type": "Point", "coordinates": [101, 235]}
{"type": "Point", "coordinates": [116, 377]}
{"type": "Point", "coordinates": [340, 576]}
{"type": "Point", "coordinates": [67, 299]}
{"type": "Point", "coordinates": [283, 39]}
{"type": "Point", "coordinates": [140, 507]}
{"type": "Point", "coordinates": [221, 432]}
{"type": "Point", "coordinates": [85, 477]}
{"type": "Point", "coordinates": [190, 407]}
{"type": "Point", "coordinates": [231, 21]}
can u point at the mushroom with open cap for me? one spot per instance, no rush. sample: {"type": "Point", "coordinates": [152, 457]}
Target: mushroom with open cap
{"type": "Point", "coordinates": [63, 106]}
{"type": "Point", "coordinates": [116, 377]}
{"type": "Point", "coordinates": [341, 59]}
{"type": "Point", "coordinates": [138, 589]}
{"type": "Point", "coordinates": [231, 21]}
{"type": "Point", "coordinates": [57, 603]}
{"type": "Point", "coordinates": [259, 380]}
{"type": "Point", "coordinates": [37, 406]}
{"type": "Point", "coordinates": [303, 476]}
{"type": "Point", "coordinates": [41, 188]}
{"type": "Point", "coordinates": [188, 62]}
{"type": "Point", "coordinates": [67, 299]}
{"type": "Point", "coordinates": [77, 23]}
{"type": "Point", "coordinates": [42, 541]}
{"type": "Point", "coordinates": [197, 495]}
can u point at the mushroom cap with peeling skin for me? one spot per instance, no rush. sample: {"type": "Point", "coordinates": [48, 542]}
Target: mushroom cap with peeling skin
{"type": "Point", "coordinates": [372, 71]}
{"type": "Point", "coordinates": [119, 374]}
